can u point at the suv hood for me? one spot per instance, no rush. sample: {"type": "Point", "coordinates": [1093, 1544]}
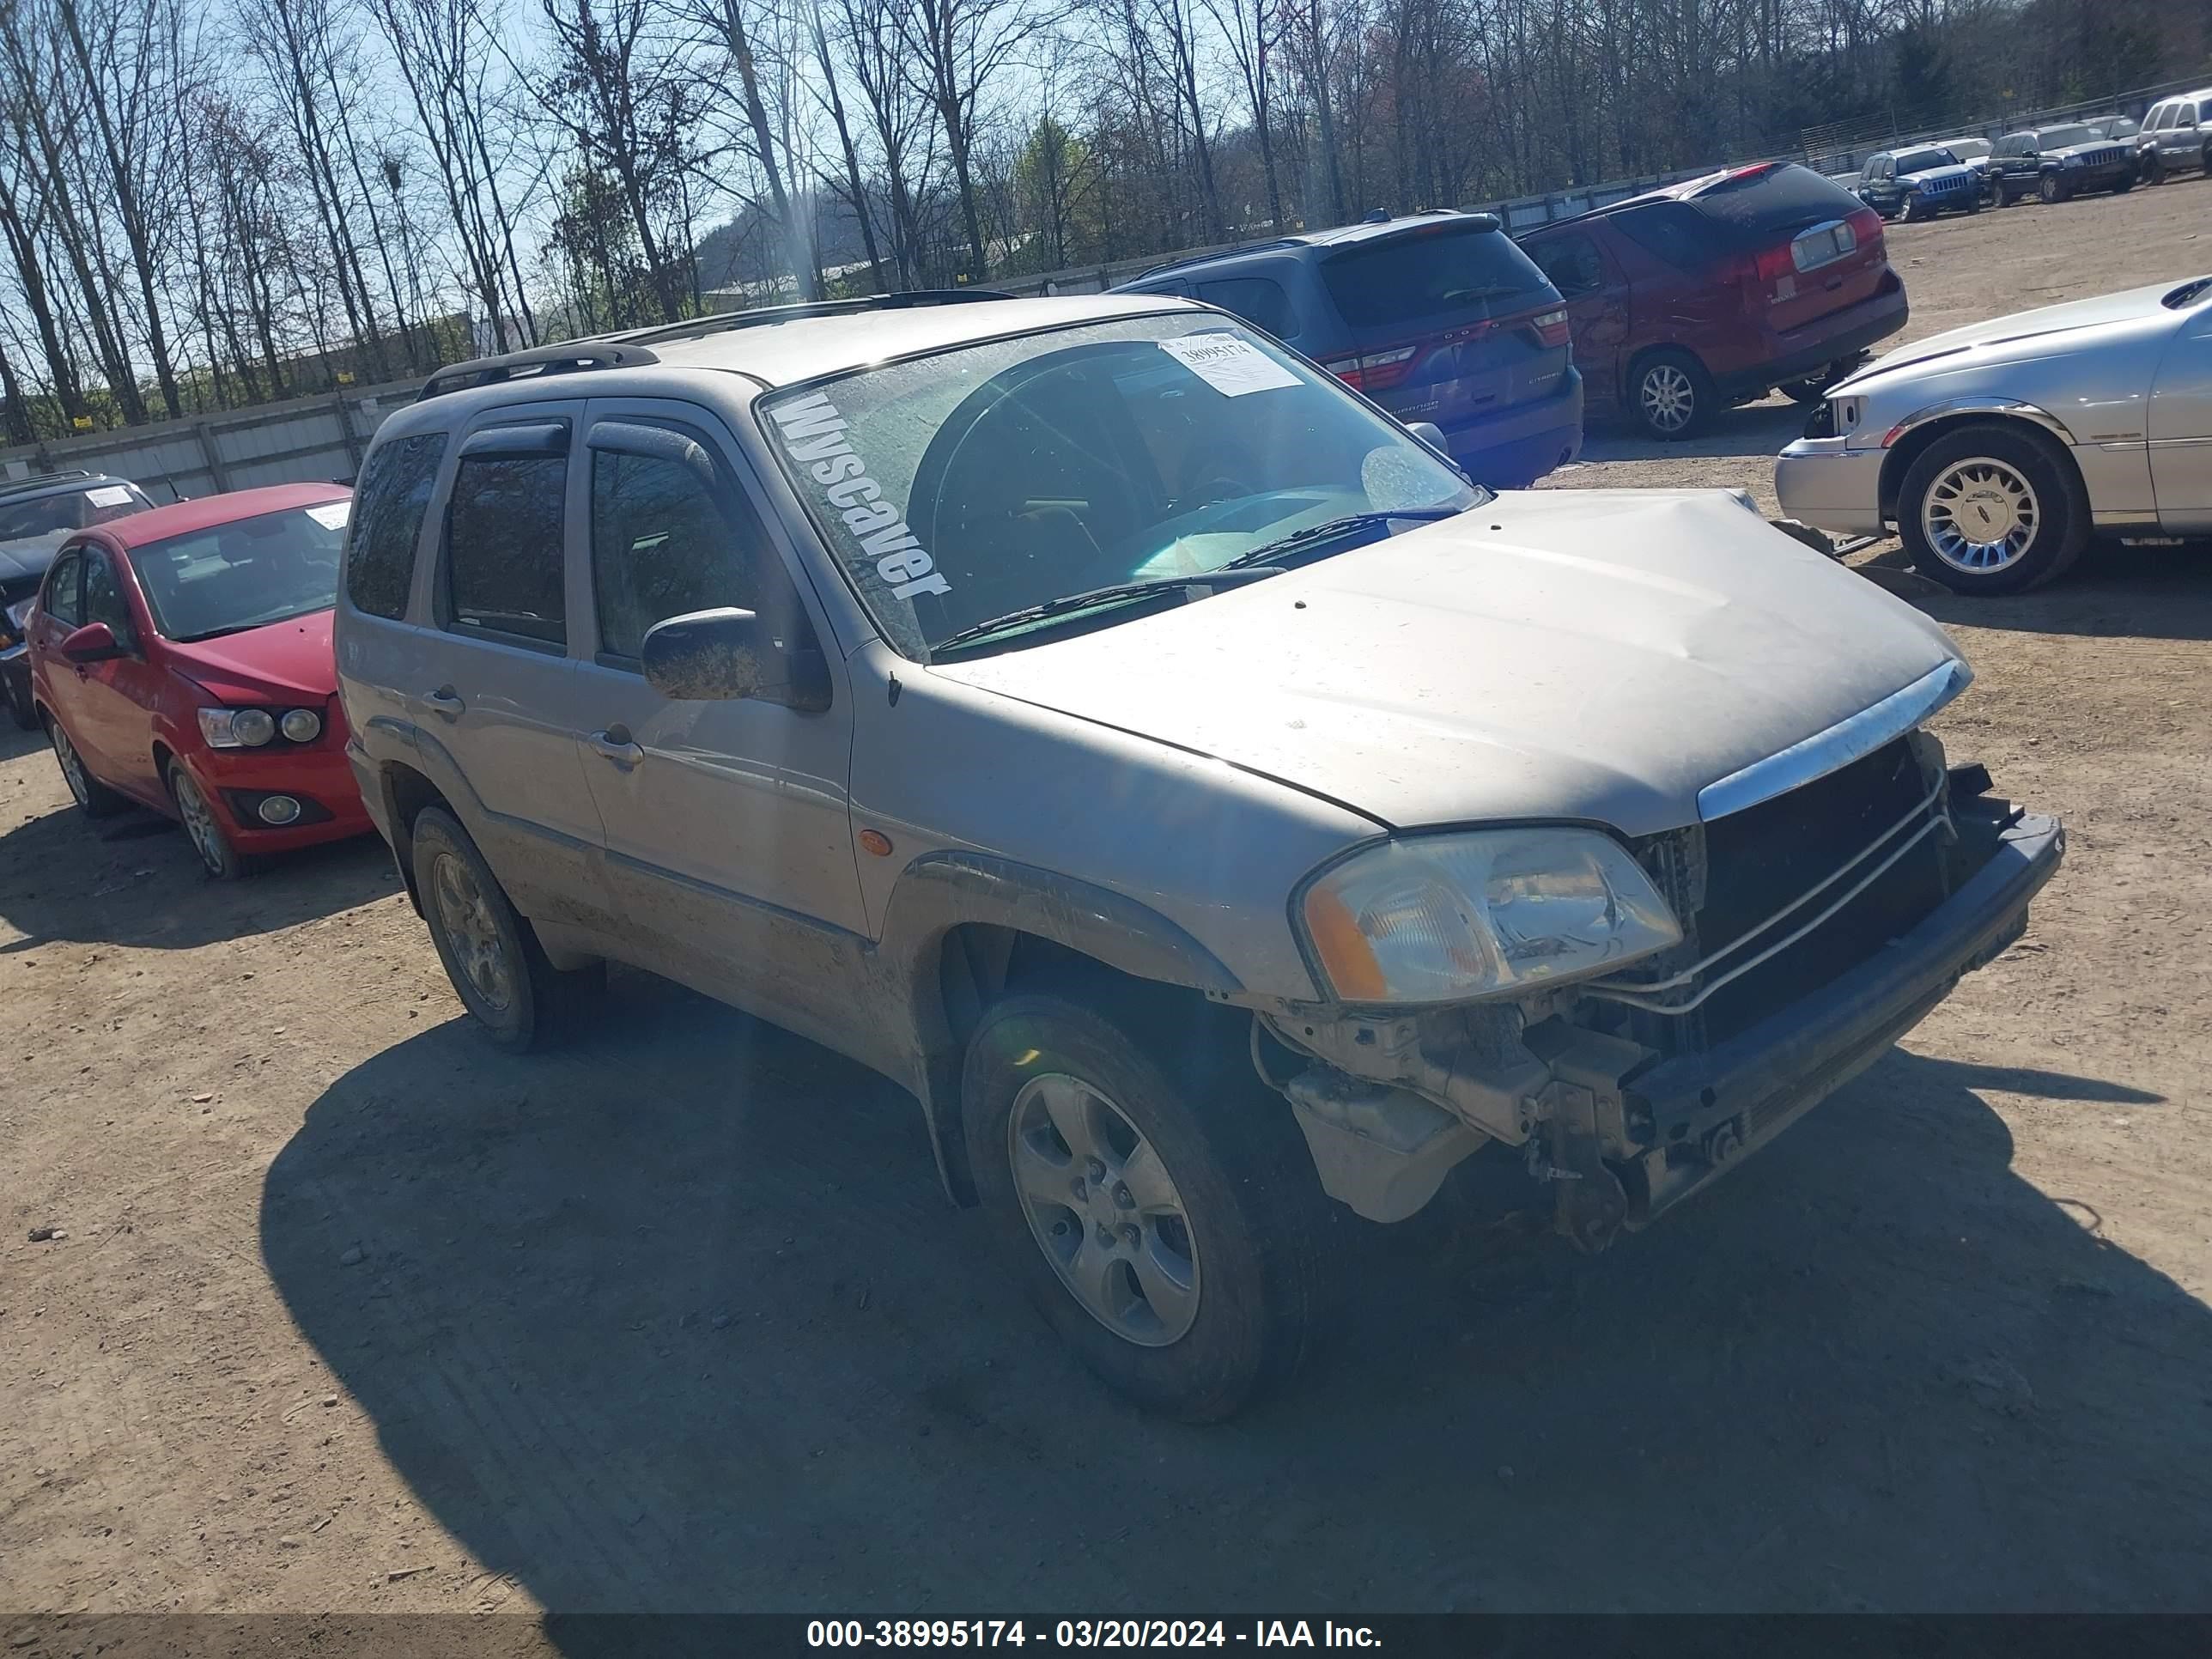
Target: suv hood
{"type": "Point", "coordinates": [1929, 175]}
{"type": "Point", "coordinates": [2026, 328]}
{"type": "Point", "coordinates": [281, 662]}
{"type": "Point", "coordinates": [1573, 654]}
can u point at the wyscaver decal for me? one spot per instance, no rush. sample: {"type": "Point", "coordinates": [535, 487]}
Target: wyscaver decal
{"type": "Point", "coordinates": [814, 434]}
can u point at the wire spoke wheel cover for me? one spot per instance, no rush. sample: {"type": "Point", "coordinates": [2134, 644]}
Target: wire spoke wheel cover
{"type": "Point", "coordinates": [1980, 515]}
{"type": "Point", "coordinates": [471, 931]}
{"type": "Point", "coordinates": [1669, 398]}
{"type": "Point", "coordinates": [1103, 1209]}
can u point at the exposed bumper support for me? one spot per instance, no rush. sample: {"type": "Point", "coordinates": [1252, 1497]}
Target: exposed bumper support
{"type": "Point", "coordinates": [1707, 1111]}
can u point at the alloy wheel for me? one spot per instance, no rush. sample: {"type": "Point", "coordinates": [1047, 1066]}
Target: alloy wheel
{"type": "Point", "coordinates": [470, 932]}
{"type": "Point", "coordinates": [199, 821]}
{"type": "Point", "coordinates": [1980, 515]}
{"type": "Point", "coordinates": [1669, 400]}
{"type": "Point", "coordinates": [72, 768]}
{"type": "Point", "coordinates": [1102, 1207]}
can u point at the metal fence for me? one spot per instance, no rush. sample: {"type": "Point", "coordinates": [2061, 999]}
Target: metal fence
{"type": "Point", "coordinates": [308, 439]}
{"type": "Point", "coordinates": [323, 438]}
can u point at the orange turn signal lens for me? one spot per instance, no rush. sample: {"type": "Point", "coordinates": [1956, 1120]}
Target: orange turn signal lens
{"type": "Point", "coordinates": [1347, 957]}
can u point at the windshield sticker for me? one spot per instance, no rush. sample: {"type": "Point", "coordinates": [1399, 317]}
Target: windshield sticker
{"type": "Point", "coordinates": [1230, 366]}
{"type": "Point", "coordinates": [813, 436]}
{"type": "Point", "coordinates": [332, 515]}
{"type": "Point", "coordinates": [109, 495]}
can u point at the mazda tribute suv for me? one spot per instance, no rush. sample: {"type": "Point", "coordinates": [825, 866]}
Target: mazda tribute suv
{"type": "Point", "coordinates": [1217, 810]}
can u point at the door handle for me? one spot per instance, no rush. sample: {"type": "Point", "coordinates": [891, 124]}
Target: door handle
{"type": "Point", "coordinates": [615, 745]}
{"type": "Point", "coordinates": [446, 702]}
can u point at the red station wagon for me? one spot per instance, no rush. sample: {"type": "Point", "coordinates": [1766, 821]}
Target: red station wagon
{"type": "Point", "coordinates": [1715, 291]}
{"type": "Point", "coordinates": [180, 658]}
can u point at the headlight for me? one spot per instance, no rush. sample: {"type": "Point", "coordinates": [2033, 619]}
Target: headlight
{"type": "Point", "coordinates": [301, 725]}
{"type": "Point", "coordinates": [2069, 160]}
{"type": "Point", "coordinates": [237, 728]}
{"type": "Point", "coordinates": [1445, 918]}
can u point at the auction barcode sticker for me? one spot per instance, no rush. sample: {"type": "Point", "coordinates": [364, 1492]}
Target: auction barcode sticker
{"type": "Point", "coordinates": [1230, 366]}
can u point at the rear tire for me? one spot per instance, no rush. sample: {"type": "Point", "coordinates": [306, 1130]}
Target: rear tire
{"type": "Point", "coordinates": [1671, 394]}
{"type": "Point", "coordinates": [93, 798]}
{"type": "Point", "coordinates": [2153, 168]}
{"type": "Point", "coordinates": [2004, 192]}
{"type": "Point", "coordinates": [490, 952]}
{"type": "Point", "coordinates": [1214, 1287]}
{"type": "Point", "coordinates": [1992, 508]}
{"type": "Point", "coordinates": [21, 709]}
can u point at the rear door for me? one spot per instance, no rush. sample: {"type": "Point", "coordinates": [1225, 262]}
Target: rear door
{"type": "Point", "coordinates": [61, 607]}
{"type": "Point", "coordinates": [1596, 295]}
{"type": "Point", "coordinates": [1444, 322]}
{"type": "Point", "coordinates": [729, 849]}
{"type": "Point", "coordinates": [499, 696]}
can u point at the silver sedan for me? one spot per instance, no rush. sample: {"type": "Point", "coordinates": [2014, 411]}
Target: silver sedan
{"type": "Point", "coordinates": [1997, 451]}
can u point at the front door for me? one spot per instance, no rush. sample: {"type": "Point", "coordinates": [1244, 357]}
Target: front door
{"type": "Point", "coordinates": [2180, 429]}
{"type": "Point", "coordinates": [729, 847]}
{"type": "Point", "coordinates": [497, 704]}
{"type": "Point", "coordinates": [115, 699]}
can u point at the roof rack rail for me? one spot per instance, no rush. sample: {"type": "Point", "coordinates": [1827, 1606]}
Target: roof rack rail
{"type": "Point", "coordinates": [721, 322]}
{"type": "Point", "coordinates": [1260, 246]}
{"type": "Point", "coordinates": [42, 481]}
{"type": "Point", "coordinates": [562, 359]}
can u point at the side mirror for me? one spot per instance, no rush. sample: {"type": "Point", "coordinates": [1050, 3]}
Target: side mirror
{"type": "Point", "coordinates": [94, 642]}
{"type": "Point", "coordinates": [1429, 434]}
{"type": "Point", "coordinates": [711, 656]}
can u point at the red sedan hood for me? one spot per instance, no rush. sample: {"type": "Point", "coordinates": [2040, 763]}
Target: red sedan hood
{"type": "Point", "coordinates": [286, 659]}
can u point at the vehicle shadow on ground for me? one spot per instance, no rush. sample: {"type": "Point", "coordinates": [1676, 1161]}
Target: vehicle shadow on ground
{"type": "Point", "coordinates": [134, 879]}
{"type": "Point", "coordinates": [678, 1321]}
{"type": "Point", "coordinates": [1761, 429]}
{"type": "Point", "coordinates": [2112, 592]}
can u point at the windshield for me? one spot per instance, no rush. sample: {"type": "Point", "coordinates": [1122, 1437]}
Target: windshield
{"type": "Point", "coordinates": [1968, 149]}
{"type": "Point", "coordinates": [247, 574]}
{"type": "Point", "coordinates": [1919, 161]}
{"type": "Point", "coordinates": [74, 509]}
{"type": "Point", "coordinates": [962, 486]}
{"type": "Point", "coordinates": [2061, 138]}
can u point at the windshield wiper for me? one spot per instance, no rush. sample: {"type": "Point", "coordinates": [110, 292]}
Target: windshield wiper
{"type": "Point", "coordinates": [1335, 527]}
{"type": "Point", "coordinates": [1223, 576]}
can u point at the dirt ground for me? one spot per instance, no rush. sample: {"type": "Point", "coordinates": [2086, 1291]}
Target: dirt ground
{"type": "Point", "coordinates": [353, 1314]}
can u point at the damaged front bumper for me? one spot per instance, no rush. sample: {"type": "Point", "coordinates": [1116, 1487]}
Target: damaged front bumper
{"type": "Point", "coordinates": [1621, 1131]}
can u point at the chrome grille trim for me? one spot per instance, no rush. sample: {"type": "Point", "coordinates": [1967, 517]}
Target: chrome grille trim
{"type": "Point", "coordinates": [1847, 740]}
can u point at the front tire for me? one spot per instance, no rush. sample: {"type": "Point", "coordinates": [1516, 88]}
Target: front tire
{"type": "Point", "coordinates": [222, 860]}
{"type": "Point", "coordinates": [2051, 189]}
{"type": "Point", "coordinates": [490, 952]}
{"type": "Point", "coordinates": [1992, 509]}
{"type": "Point", "coordinates": [1161, 1209]}
{"type": "Point", "coordinates": [93, 798]}
{"type": "Point", "coordinates": [1672, 395]}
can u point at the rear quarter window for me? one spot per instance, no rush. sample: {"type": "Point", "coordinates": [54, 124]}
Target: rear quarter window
{"type": "Point", "coordinates": [1433, 271]}
{"type": "Point", "coordinates": [1258, 300]}
{"type": "Point", "coordinates": [394, 494]}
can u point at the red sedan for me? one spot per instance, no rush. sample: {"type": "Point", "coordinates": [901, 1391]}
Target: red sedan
{"type": "Point", "coordinates": [180, 658]}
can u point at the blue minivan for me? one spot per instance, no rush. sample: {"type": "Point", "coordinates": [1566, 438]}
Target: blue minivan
{"type": "Point", "coordinates": [1438, 317]}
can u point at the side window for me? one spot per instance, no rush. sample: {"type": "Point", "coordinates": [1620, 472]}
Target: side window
{"type": "Point", "coordinates": [2188, 116]}
{"type": "Point", "coordinates": [103, 597]}
{"type": "Point", "coordinates": [662, 544]}
{"type": "Point", "coordinates": [387, 522]}
{"type": "Point", "coordinates": [2156, 118]}
{"type": "Point", "coordinates": [503, 545]}
{"type": "Point", "coordinates": [1572, 263]}
{"type": "Point", "coordinates": [61, 601]}
{"type": "Point", "coordinates": [1256, 299]}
